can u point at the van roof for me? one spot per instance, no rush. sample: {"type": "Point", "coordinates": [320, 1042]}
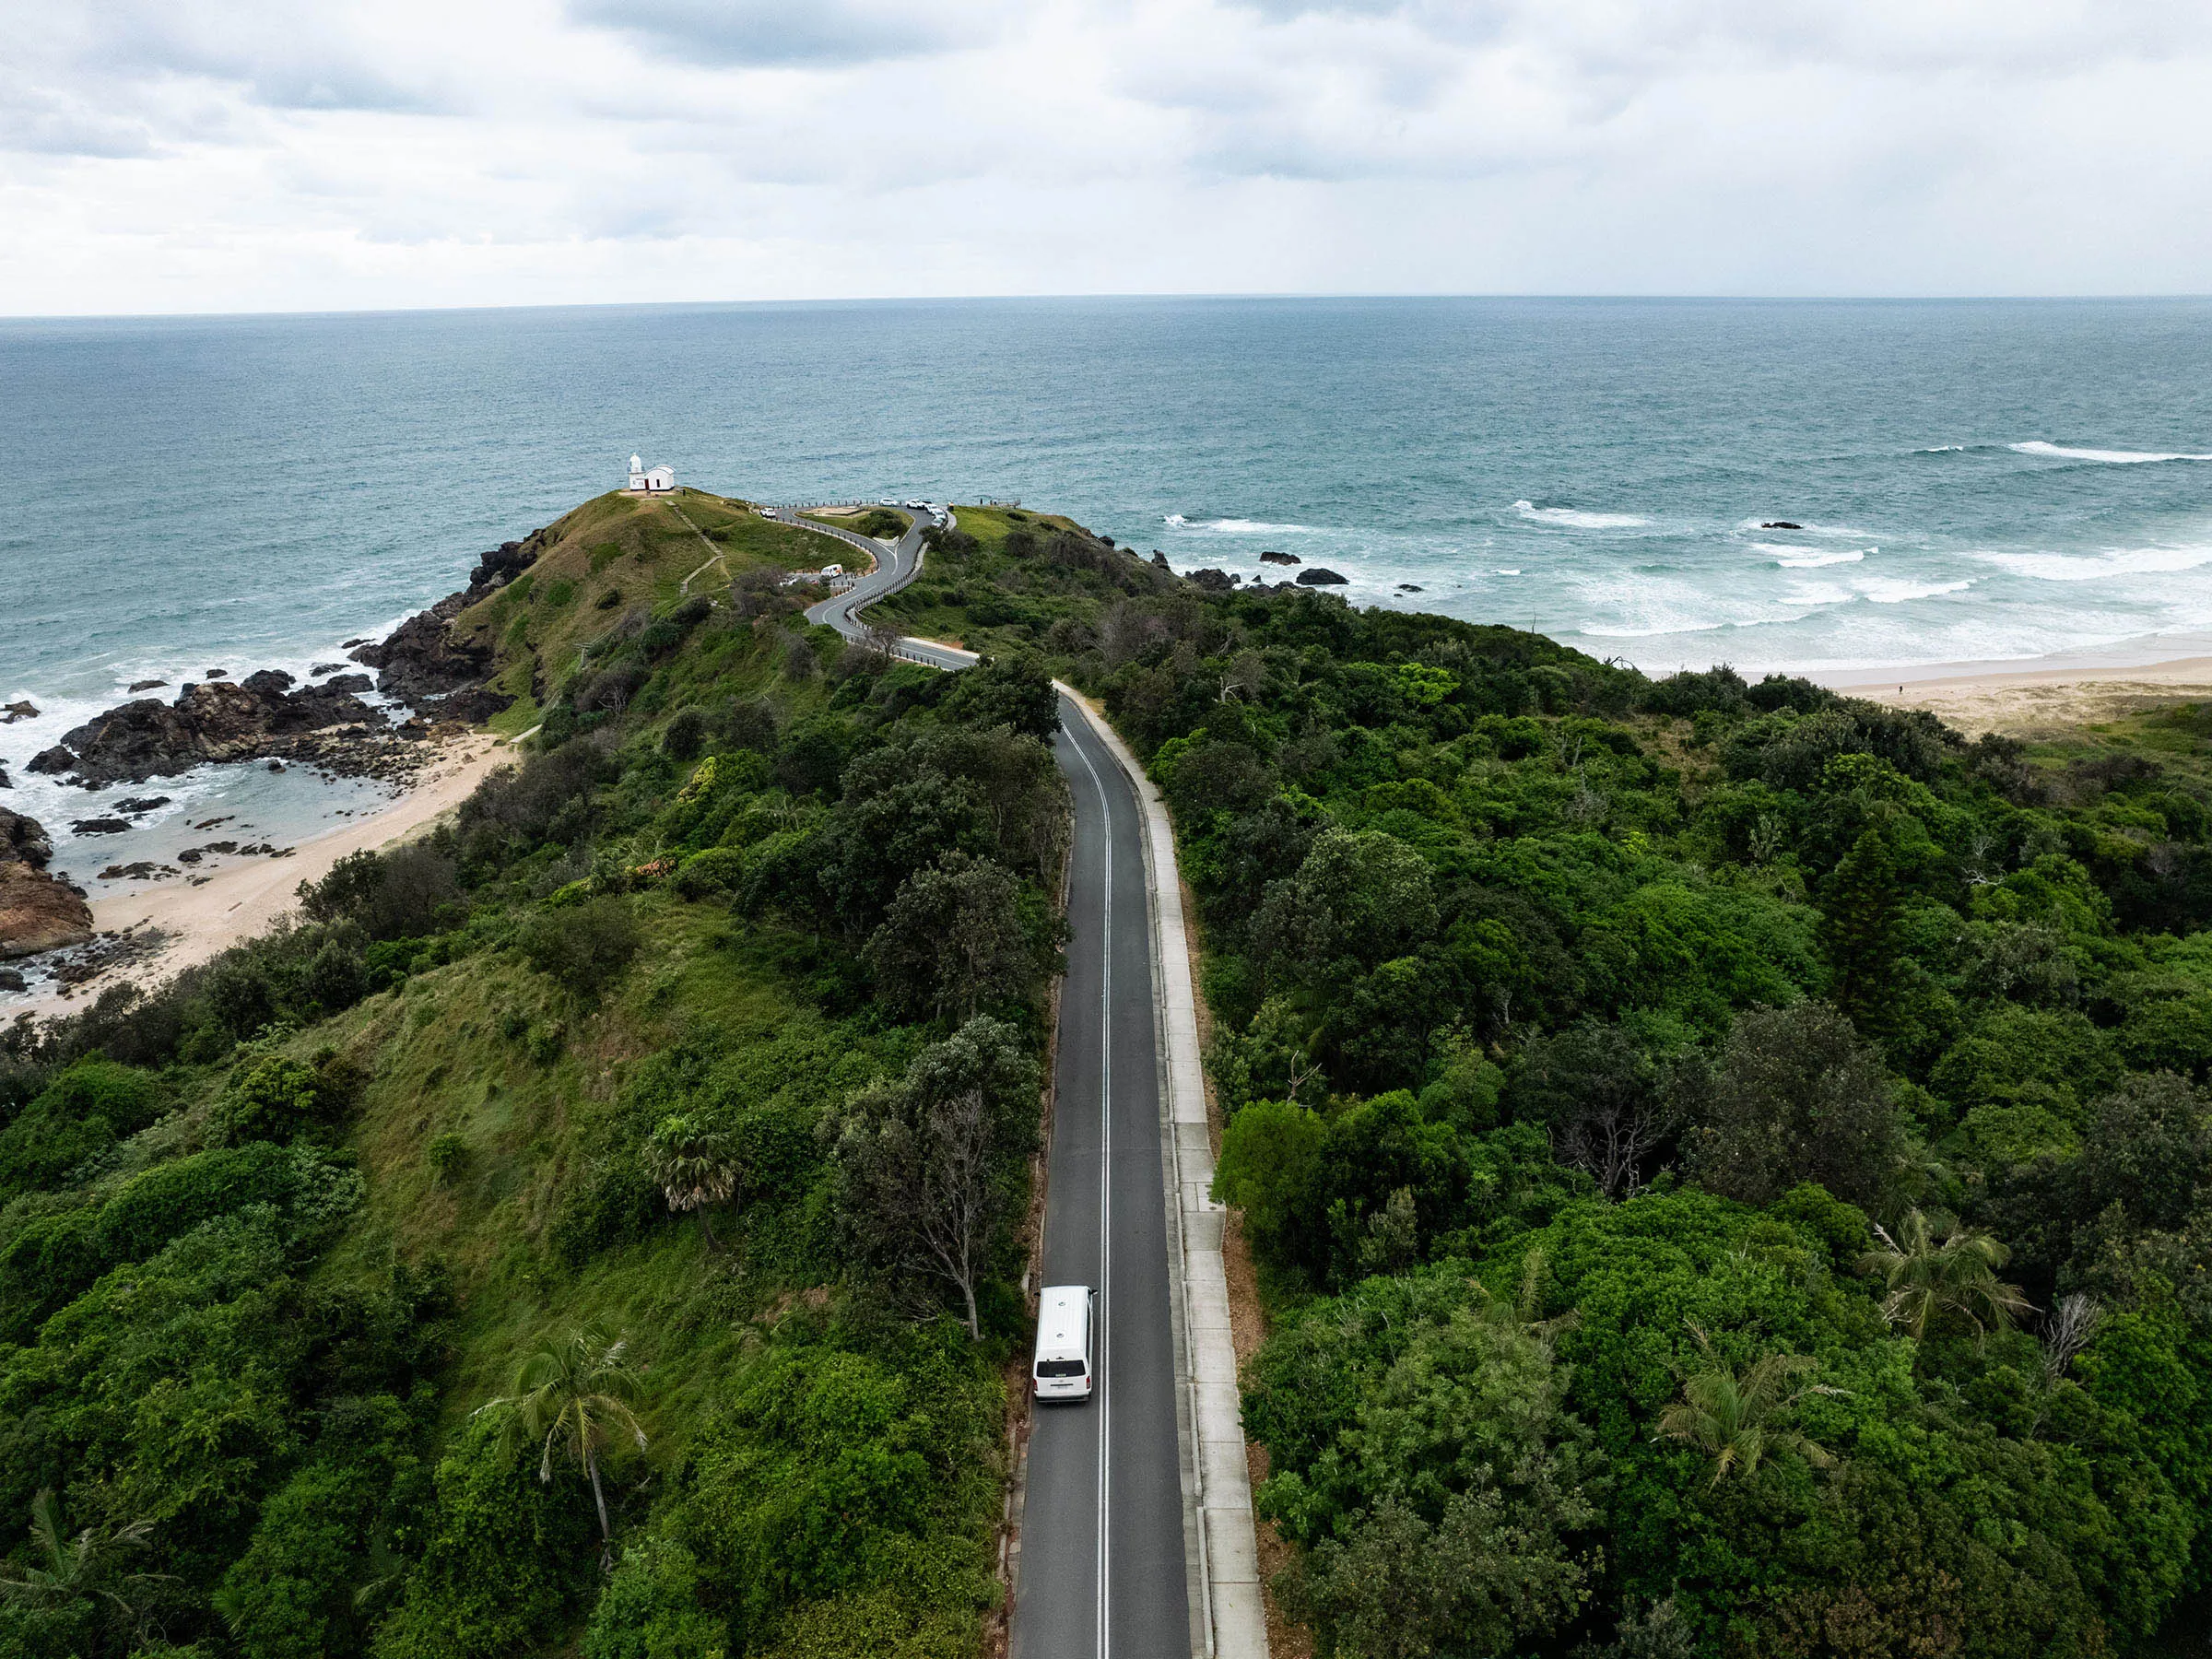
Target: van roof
{"type": "Point", "coordinates": [1062, 1324]}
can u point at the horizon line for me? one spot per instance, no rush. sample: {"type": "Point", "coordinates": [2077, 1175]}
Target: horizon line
{"type": "Point", "coordinates": [1138, 298]}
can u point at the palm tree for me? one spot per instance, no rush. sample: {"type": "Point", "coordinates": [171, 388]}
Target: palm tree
{"type": "Point", "coordinates": [692, 1164]}
{"type": "Point", "coordinates": [73, 1569]}
{"type": "Point", "coordinates": [1737, 1419]}
{"type": "Point", "coordinates": [574, 1396]}
{"type": "Point", "coordinates": [1934, 1262]}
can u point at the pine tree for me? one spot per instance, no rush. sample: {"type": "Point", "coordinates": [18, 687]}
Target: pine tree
{"type": "Point", "coordinates": [1862, 905]}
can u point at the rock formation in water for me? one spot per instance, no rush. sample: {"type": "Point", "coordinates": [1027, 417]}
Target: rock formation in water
{"type": "Point", "coordinates": [1316, 576]}
{"type": "Point", "coordinates": [38, 911]}
{"type": "Point", "coordinates": [212, 719]}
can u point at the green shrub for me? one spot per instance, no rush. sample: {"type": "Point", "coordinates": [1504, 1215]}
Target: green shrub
{"type": "Point", "coordinates": [506, 1560]}
{"type": "Point", "coordinates": [715, 871]}
{"type": "Point", "coordinates": [447, 1155]}
{"type": "Point", "coordinates": [583, 947]}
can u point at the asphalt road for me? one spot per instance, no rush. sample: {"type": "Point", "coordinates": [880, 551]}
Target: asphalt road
{"type": "Point", "coordinates": [1102, 1562]}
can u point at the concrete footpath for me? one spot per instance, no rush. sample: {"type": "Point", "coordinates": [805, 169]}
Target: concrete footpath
{"type": "Point", "coordinates": [1227, 1619]}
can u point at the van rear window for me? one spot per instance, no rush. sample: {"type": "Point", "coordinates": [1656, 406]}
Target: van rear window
{"type": "Point", "coordinates": [1059, 1368]}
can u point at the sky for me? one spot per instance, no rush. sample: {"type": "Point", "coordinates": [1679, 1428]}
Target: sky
{"type": "Point", "coordinates": [294, 155]}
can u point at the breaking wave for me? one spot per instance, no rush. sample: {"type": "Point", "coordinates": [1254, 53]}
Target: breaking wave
{"type": "Point", "coordinates": [1235, 527]}
{"type": "Point", "coordinates": [1809, 558]}
{"type": "Point", "coordinates": [1575, 520]}
{"type": "Point", "coordinates": [2113, 457]}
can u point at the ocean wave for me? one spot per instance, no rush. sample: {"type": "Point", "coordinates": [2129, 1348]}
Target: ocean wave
{"type": "Point", "coordinates": [1808, 558]}
{"type": "Point", "coordinates": [2124, 561]}
{"type": "Point", "coordinates": [1236, 527]}
{"type": "Point", "coordinates": [1572, 519]}
{"type": "Point", "coordinates": [1896, 590]}
{"type": "Point", "coordinates": [1506, 572]}
{"type": "Point", "coordinates": [2057, 452]}
{"type": "Point", "coordinates": [1944, 449]}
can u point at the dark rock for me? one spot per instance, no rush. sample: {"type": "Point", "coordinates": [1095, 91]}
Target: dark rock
{"type": "Point", "coordinates": [1780, 524]}
{"type": "Point", "coordinates": [5, 781]}
{"type": "Point", "coordinates": [1409, 587]}
{"type": "Point", "coordinates": [24, 840]}
{"type": "Point", "coordinates": [1315, 576]}
{"type": "Point", "coordinates": [422, 664]}
{"type": "Point", "coordinates": [137, 686]}
{"type": "Point", "coordinates": [276, 766]}
{"type": "Point", "coordinates": [320, 670]}
{"type": "Point", "coordinates": [12, 980]}
{"type": "Point", "coordinates": [52, 762]}
{"type": "Point", "coordinates": [212, 719]}
{"type": "Point", "coordinates": [37, 910]}
{"type": "Point", "coordinates": [1272, 557]}
{"type": "Point", "coordinates": [145, 869]}
{"type": "Point", "coordinates": [19, 710]}
{"type": "Point", "coordinates": [217, 674]}
{"type": "Point", "coordinates": [1211, 582]}
{"type": "Point", "coordinates": [100, 826]}
{"type": "Point", "coordinates": [348, 682]}
{"type": "Point", "coordinates": [138, 803]}
{"type": "Point", "coordinates": [504, 563]}
{"type": "Point", "coordinates": [350, 645]}
{"type": "Point", "coordinates": [1159, 559]}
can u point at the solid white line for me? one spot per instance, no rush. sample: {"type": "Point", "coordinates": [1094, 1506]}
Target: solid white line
{"type": "Point", "coordinates": [1098, 1383]}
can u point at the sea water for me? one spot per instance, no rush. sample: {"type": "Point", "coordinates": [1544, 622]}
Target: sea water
{"type": "Point", "coordinates": [1966, 481]}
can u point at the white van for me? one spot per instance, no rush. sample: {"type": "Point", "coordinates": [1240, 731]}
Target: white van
{"type": "Point", "coordinates": [1063, 1369]}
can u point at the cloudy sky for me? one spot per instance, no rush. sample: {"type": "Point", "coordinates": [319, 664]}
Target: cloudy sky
{"type": "Point", "coordinates": [246, 155]}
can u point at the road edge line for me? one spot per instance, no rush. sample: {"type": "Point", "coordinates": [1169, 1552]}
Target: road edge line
{"type": "Point", "coordinates": [1236, 1624]}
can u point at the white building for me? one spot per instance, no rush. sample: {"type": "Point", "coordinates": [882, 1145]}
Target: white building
{"type": "Point", "coordinates": [650, 481]}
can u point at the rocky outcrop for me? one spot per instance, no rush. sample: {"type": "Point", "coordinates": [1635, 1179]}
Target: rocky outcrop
{"type": "Point", "coordinates": [1272, 557]}
{"type": "Point", "coordinates": [1315, 576]}
{"type": "Point", "coordinates": [212, 720]}
{"type": "Point", "coordinates": [423, 666]}
{"type": "Point", "coordinates": [1211, 582]}
{"type": "Point", "coordinates": [38, 911]}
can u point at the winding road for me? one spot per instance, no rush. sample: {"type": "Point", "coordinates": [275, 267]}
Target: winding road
{"type": "Point", "coordinates": [1111, 1565]}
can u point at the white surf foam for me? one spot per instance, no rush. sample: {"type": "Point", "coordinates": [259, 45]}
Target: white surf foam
{"type": "Point", "coordinates": [1809, 558]}
{"type": "Point", "coordinates": [2120, 561]}
{"type": "Point", "coordinates": [1883, 590]}
{"type": "Point", "coordinates": [1572, 519]}
{"type": "Point", "coordinates": [1236, 527]}
{"type": "Point", "coordinates": [2112, 457]}
{"type": "Point", "coordinates": [1505, 572]}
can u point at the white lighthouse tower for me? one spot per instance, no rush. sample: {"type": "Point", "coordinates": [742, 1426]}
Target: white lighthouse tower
{"type": "Point", "coordinates": [637, 475]}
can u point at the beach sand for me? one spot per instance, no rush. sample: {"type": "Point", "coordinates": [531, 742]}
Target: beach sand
{"type": "Point", "coordinates": [242, 899]}
{"type": "Point", "coordinates": [2040, 702]}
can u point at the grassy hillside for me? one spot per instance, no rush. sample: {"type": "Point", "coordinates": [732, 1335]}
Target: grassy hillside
{"type": "Point", "coordinates": [619, 555]}
{"type": "Point", "coordinates": [625, 1077]}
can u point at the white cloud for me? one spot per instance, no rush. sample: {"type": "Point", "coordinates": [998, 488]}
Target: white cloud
{"type": "Point", "coordinates": [182, 154]}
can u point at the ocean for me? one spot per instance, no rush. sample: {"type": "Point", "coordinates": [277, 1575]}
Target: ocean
{"type": "Point", "coordinates": [1840, 487]}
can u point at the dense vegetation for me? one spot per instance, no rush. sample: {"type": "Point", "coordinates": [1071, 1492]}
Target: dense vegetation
{"type": "Point", "coordinates": [539, 1247]}
{"type": "Point", "coordinates": [1729, 1165]}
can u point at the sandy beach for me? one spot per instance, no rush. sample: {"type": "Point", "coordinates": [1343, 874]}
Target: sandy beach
{"type": "Point", "coordinates": [2035, 702]}
{"type": "Point", "coordinates": [240, 901]}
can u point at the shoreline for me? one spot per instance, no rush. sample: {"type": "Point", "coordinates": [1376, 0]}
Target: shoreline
{"type": "Point", "coordinates": [242, 901]}
{"type": "Point", "coordinates": [2026, 700]}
